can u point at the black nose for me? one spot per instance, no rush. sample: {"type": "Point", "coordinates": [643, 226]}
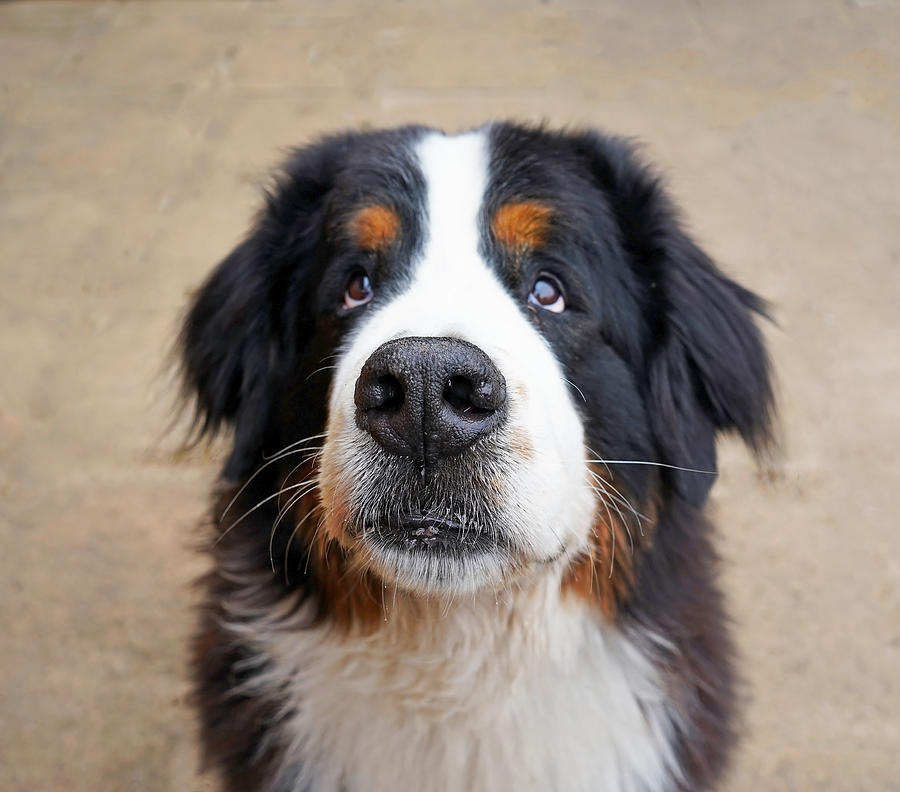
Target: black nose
{"type": "Point", "coordinates": [429, 398]}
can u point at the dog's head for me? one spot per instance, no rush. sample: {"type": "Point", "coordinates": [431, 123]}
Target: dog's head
{"type": "Point", "coordinates": [512, 351]}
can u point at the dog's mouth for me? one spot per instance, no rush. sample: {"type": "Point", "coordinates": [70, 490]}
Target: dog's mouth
{"type": "Point", "coordinates": [435, 534]}
{"type": "Point", "coordinates": [442, 529]}
{"type": "Point", "coordinates": [433, 552]}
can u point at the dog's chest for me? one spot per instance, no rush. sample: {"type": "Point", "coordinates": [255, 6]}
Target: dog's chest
{"type": "Point", "coordinates": [481, 699]}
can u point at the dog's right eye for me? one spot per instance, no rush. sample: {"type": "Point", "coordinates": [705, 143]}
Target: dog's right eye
{"type": "Point", "coordinates": [359, 289]}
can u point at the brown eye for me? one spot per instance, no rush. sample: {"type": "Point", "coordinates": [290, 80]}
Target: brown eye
{"type": "Point", "coordinates": [359, 290]}
{"type": "Point", "coordinates": [547, 294]}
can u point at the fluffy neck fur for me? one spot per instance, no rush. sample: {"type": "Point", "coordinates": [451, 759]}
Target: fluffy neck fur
{"type": "Point", "coordinates": [517, 689]}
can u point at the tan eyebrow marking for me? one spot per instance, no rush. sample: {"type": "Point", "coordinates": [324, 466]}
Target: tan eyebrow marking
{"type": "Point", "coordinates": [523, 224]}
{"type": "Point", "coordinates": [375, 227]}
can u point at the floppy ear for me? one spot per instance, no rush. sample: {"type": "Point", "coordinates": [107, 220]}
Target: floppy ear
{"type": "Point", "coordinates": [227, 346]}
{"type": "Point", "coordinates": [707, 367]}
{"type": "Point", "coordinates": [711, 371]}
{"type": "Point", "coordinates": [250, 313]}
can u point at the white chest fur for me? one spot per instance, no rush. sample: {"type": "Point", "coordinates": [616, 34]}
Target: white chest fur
{"type": "Point", "coordinates": [528, 691]}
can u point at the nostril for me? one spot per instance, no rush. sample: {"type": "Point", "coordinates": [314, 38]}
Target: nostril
{"type": "Point", "coordinates": [465, 397]}
{"type": "Point", "coordinates": [386, 394]}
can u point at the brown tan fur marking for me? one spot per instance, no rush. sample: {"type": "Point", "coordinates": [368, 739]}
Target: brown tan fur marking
{"type": "Point", "coordinates": [375, 227]}
{"type": "Point", "coordinates": [606, 574]}
{"type": "Point", "coordinates": [349, 594]}
{"type": "Point", "coordinates": [521, 225]}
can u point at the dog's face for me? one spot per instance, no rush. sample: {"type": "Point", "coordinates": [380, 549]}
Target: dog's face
{"type": "Point", "coordinates": [454, 452]}
{"type": "Point", "coordinates": [494, 332]}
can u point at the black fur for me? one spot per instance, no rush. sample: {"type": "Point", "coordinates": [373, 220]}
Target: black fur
{"type": "Point", "coordinates": [660, 346]}
{"type": "Point", "coordinates": [266, 308]}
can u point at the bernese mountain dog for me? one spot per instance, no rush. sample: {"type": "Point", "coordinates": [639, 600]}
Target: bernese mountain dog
{"type": "Point", "coordinates": [474, 383]}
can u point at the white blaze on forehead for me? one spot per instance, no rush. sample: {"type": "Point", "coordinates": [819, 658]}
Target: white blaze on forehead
{"type": "Point", "coordinates": [456, 173]}
{"type": "Point", "coordinates": [453, 291]}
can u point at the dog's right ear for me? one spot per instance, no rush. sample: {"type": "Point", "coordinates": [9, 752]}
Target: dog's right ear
{"type": "Point", "coordinates": [226, 347]}
{"type": "Point", "coordinates": [235, 333]}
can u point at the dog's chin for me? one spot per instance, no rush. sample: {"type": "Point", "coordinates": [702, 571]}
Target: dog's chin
{"type": "Point", "coordinates": [431, 575]}
{"type": "Point", "coordinates": [429, 556]}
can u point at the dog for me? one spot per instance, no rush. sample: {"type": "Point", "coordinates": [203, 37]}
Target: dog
{"type": "Point", "coordinates": [473, 384]}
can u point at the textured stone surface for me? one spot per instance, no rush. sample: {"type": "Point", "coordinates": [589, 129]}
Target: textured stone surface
{"type": "Point", "coordinates": [134, 138]}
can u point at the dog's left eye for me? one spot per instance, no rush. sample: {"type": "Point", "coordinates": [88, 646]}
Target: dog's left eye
{"type": "Point", "coordinates": [547, 294]}
{"type": "Point", "coordinates": [359, 289]}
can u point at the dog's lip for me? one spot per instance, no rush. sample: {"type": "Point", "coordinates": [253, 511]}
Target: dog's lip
{"type": "Point", "coordinates": [432, 533]}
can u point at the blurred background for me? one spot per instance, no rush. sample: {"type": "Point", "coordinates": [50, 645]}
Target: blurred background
{"type": "Point", "coordinates": [134, 140]}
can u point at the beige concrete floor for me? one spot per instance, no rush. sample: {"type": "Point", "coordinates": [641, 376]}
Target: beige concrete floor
{"type": "Point", "coordinates": [133, 141]}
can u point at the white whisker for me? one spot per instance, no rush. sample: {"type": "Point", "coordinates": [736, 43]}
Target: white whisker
{"type": "Point", "coordinates": [295, 498]}
{"type": "Point", "coordinates": [576, 388]}
{"type": "Point", "coordinates": [616, 495]}
{"type": "Point", "coordinates": [284, 452]}
{"type": "Point", "coordinates": [619, 512]}
{"type": "Point", "coordinates": [322, 368]}
{"type": "Point", "coordinates": [654, 464]}
{"type": "Point", "coordinates": [306, 460]}
{"type": "Point", "coordinates": [254, 508]}
{"type": "Point", "coordinates": [287, 548]}
{"type": "Point", "coordinates": [295, 443]}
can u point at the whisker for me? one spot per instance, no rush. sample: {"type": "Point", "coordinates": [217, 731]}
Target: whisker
{"type": "Point", "coordinates": [654, 464]}
{"type": "Point", "coordinates": [621, 497]}
{"type": "Point", "coordinates": [612, 560]}
{"type": "Point", "coordinates": [287, 548]}
{"type": "Point", "coordinates": [306, 460]}
{"type": "Point", "coordinates": [295, 443]}
{"type": "Point", "coordinates": [312, 542]}
{"type": "Point", "coordinates": [254, 508]}
{"type": "Point", "coordinates": [312, 483]}
{"type": "Point", "coordinates": [593, 571]}
{"type": "Point", "coordinates": [295, 498]}
{"type": "Point", "coordinates": [576, 388]}
{"type": "Point", "coordinates": [285, 452]}
{"type": "Point", "coordinates": [619, 512]}
{"type": "Point", "coordinates": [321, 368]}
{"type": "Point", "coordinates": [618, 496]}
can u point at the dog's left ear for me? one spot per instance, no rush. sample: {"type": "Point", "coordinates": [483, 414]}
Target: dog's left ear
{"type": "Point", "coordinates": [710, 371]}
{"type": "Point", "coordinates": [707, 366]}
